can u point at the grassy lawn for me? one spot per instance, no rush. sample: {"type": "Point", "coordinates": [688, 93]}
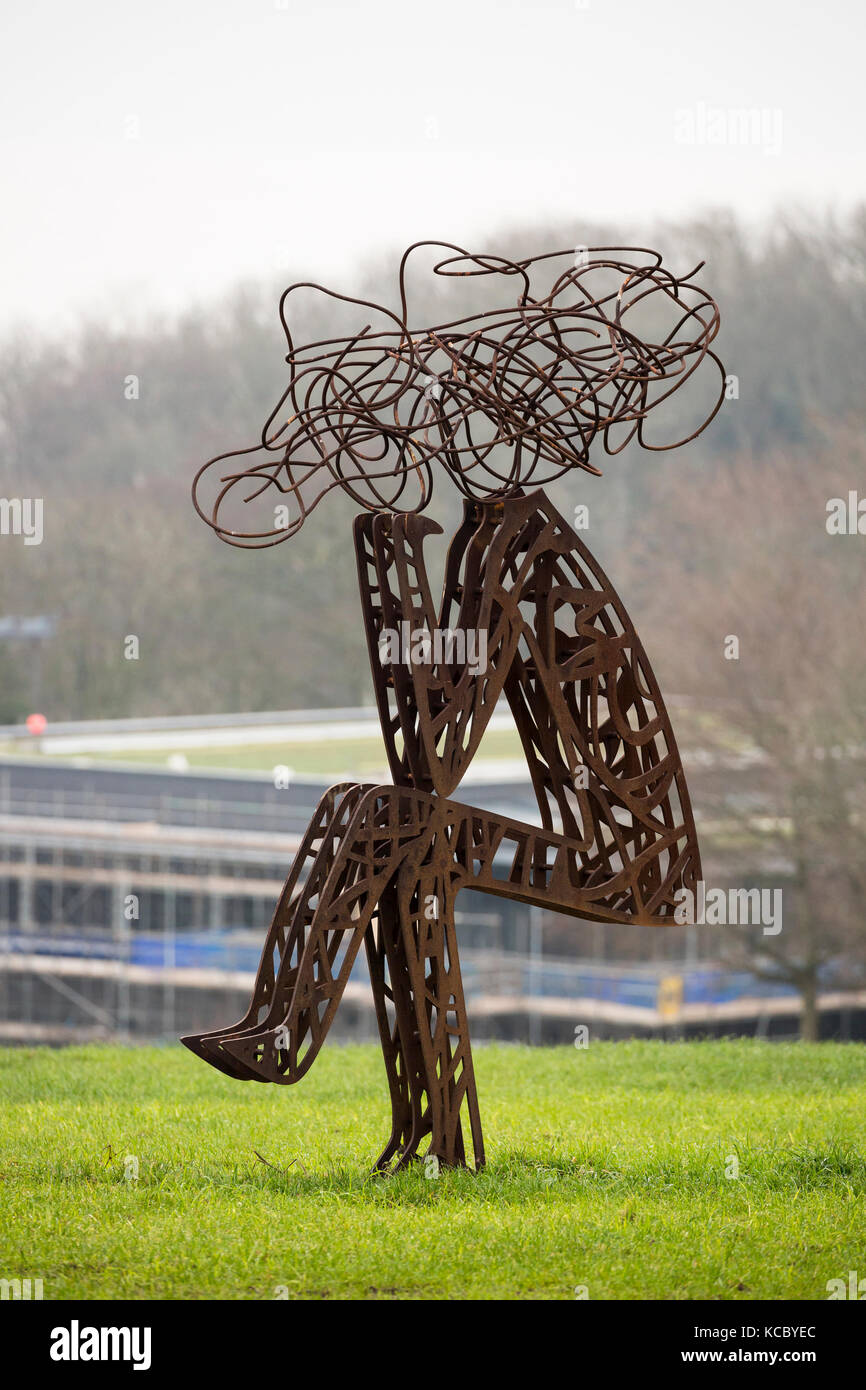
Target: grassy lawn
{"type": "Point", "coordinates": [362, 755]}
{"type": "Point", "coordinates": [331, 756]}
{"type": "Point", "coordinates": [607, 1169]}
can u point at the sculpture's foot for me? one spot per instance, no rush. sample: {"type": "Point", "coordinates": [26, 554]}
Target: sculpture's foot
{"type": "Point", "coordinates": [431, 1161]}
{"type": "Point", "coordinates": [407, 1133]}
{"type": "Point", "coordinates": [207, 1047]}
{"type": "Point", "coordinates": [385, 1162]}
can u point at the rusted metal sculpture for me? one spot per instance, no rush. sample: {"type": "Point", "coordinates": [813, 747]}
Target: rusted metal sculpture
{"type": "Point", "coordinates": [503, 401]}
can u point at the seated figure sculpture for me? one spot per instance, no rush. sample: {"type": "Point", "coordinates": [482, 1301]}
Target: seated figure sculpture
{"type": "Point", "coordinates": [502, 402]}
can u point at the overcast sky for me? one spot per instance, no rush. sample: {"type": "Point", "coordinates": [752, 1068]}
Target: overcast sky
{"type": "Point", "coordinates": [155, 153]}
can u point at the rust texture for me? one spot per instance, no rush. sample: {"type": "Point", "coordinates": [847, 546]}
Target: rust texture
{"type": "Point", "coordinates": [502, 402]}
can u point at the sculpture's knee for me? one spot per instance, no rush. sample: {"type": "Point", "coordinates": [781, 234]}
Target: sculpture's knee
{"type": "Point", "coordinates": [388, 823]}
{"type": "Point", "coordinates": [395, 808]}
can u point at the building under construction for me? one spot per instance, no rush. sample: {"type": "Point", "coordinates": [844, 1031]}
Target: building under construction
{"type": "Point", "coordinates": [134, 903]}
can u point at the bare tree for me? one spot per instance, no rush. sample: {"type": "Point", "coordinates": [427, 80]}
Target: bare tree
{"type": "Point", "coordinates": [775, 610]}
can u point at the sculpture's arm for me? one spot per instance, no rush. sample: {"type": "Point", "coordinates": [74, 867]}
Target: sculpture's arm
{"type": "Point", "coordinates": [375, 623]}
{"type": "Point", "coordinates": [389, 625]}
{"type": "Point", "coordinates": [439, 675]}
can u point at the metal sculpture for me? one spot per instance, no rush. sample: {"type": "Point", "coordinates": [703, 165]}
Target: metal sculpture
{"type": "Point", "coordinates": [503, 400]}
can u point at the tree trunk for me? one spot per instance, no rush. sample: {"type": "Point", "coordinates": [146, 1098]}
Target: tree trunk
{"type": "Point", "coordinates": [809, 1019]}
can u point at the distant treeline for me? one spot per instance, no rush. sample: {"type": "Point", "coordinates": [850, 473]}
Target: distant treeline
{"type": "Point", "coordinates": [109, 427]}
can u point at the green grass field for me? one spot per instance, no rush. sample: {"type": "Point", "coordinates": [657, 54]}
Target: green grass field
{"type": "Point", "coordinates": [328, 756]}
{"type": "Point", "coordinates": [360, 756]}
{"type": "Point", "coordinates": [607, 1171]}
{"type": "Point", "coordinates": [332, 756]}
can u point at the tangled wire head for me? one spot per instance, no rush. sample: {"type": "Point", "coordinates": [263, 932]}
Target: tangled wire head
{"type": "Point", "coordinates": [581, 345]}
